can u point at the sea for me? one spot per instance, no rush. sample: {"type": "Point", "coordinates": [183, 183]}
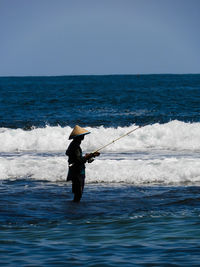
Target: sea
{"type": "Point", "coordinates": [141, 202]}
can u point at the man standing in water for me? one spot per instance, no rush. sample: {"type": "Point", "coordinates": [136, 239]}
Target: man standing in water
{"type": "Point", "coordinates": [76, 161]}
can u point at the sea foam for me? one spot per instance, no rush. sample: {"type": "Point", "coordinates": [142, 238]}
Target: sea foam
{"type": "Point", "coordinates": [155, 154]}
{"type": "Point", "coordinates": [133, 170]}
{"type": "Point", "coordinates": [174, 135]}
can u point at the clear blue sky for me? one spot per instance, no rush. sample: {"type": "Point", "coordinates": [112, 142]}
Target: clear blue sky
{"type": "Point", "coordinates": [70, 37]}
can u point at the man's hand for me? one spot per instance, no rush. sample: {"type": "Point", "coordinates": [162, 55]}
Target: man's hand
{"type": "Point", "coordinates": [92, 155]}
{"type": "Point", "coordinates": [96, 154]}
{"type": "Point", "coordinates": [88, 156]}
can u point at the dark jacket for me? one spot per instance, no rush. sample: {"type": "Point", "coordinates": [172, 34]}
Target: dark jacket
{"type": "Point", "coordinates": [76, 161]}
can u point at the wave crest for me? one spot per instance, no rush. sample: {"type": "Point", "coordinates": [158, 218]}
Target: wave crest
{"type": "Point", "coordinates": [174, 135]}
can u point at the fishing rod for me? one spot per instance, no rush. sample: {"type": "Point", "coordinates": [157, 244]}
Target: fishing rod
{"type": "Point", "coordinates": [122, 136]}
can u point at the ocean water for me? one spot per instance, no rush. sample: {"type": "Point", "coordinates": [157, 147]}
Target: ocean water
{"type": "Point", "coordinates": [141, 204]}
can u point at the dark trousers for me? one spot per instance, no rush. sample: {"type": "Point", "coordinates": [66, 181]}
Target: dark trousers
{"type": "Point", "coordinates": [77, 187]}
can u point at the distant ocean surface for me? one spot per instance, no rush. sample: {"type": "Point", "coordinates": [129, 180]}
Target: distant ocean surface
{"type": "Point", "coordinates": [141, 204]}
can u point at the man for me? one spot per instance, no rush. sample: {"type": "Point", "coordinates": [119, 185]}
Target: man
{"type": "Point", "coordinates": [76, 161]}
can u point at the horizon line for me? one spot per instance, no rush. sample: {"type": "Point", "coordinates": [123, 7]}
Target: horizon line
{"type": "Point", "coordinates": [73, 75]}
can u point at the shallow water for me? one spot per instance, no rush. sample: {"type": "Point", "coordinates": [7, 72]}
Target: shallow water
{"type": "Point", "coordinates": [113, 225]}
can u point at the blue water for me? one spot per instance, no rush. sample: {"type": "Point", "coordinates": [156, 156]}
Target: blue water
{"type": "Point", "coordinates": [98, 100]}
{"type": "Point", "coordinates": [141, 204]}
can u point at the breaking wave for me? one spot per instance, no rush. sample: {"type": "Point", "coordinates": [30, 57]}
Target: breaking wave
{"type": "Point", "coordinates": [155, 154]}
{"type": "Point", "coordinates": [174, 135]}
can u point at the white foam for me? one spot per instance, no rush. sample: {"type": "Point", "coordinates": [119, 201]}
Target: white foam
{"type": "Point", "coordinates": [33, 167]}
{"type": "Point", "coordinates": [165, 171]}
{"type": "Point", "coordinates": [37, 139]}
{"type": "Point", "coordinates": [132, 169]}
{"type": "Point", "coordinates": [174, 135]}
{"type": "Point", "coordinates": [160, 153]}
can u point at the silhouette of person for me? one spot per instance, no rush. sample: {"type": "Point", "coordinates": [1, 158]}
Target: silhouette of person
{"type": "Point", "coordinates": [76, 172]}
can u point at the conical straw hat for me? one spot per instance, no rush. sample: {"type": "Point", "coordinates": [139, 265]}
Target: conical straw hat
{"type": "Point", "coordinates": [77, 131]}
